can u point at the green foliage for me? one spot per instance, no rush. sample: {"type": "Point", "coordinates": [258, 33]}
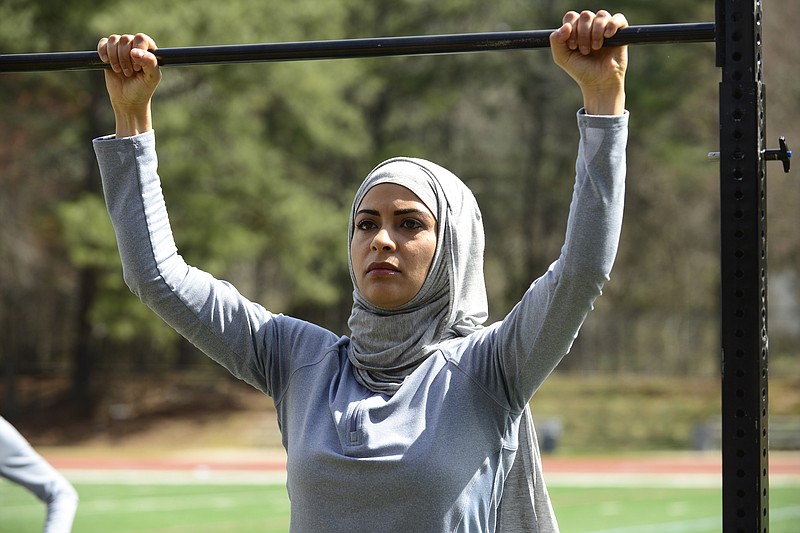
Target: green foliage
{"type": "Point", "coordinates": [17, 33]}
{"type": "Point", "coordinates": [87, 233]}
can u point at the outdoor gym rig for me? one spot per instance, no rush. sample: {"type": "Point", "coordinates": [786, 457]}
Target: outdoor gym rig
{"type": "Point", "coordinates": [743, 214]}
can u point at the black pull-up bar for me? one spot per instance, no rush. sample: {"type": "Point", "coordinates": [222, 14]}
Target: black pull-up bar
{"type": "Point", "coordinates": [358, 48]}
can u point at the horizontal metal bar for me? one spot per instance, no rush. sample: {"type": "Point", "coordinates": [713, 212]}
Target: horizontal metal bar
{"type": "Point", "coordinates": [357, 48]}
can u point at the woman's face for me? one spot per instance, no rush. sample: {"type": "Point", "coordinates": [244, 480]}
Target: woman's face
{"type": "Point", "coordinates": [394, 241]}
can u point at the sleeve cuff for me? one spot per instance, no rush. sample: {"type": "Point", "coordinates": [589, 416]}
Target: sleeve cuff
{"type": "Point", "coordinates": [142, 137]}
{"type": "Point", "coordinates": [602, 121]}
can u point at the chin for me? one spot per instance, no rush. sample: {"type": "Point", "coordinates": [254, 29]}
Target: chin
{"type": "Point", "coordinates": [385, 301]}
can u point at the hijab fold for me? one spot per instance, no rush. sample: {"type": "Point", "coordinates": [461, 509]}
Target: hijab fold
{"type": "Point", "coordinates": [387, 345]}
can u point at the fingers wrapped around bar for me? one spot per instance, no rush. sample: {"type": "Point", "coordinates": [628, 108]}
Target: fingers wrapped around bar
{"type": "Point", "coordinates": [577, 47]}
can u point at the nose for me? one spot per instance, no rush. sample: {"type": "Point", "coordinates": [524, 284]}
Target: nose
{"type": "Point", "coordinates": [383, 241]}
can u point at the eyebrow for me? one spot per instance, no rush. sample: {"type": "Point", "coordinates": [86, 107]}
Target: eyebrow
{"type": "Point", "coordinates": [398, 212]}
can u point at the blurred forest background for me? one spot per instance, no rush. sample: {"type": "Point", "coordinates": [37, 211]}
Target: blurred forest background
{"type": "Point", "coordinates": [259, 163]}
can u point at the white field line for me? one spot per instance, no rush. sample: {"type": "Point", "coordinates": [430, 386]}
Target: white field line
{"type": "Point", "coordinates": [211, 476]}
{"type": "Point", "coordinates": [783, 514]}
{"type": "Point", "coordinates": [204, 476]}
{"type": "Point", "coordinates": [651, 480]}
{"type": "Point", "coordinates": [228, 477]}
{"type": "Point", "coordinates": [574, 479]}
{"type": "Point", "coordinates": [150, 504]}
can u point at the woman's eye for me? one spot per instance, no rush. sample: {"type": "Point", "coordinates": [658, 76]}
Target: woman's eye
{"type": "Point", "coordinates": [411, 223]}
{"type": "Point", "coordinates": [365, 225]}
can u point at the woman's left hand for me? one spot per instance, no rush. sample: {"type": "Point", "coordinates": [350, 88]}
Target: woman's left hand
{"type": "Point", "coordinates": [577, 47]}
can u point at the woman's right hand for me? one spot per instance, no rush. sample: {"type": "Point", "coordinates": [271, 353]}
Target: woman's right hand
{"type": "Point", "coordinates": [131, 81]}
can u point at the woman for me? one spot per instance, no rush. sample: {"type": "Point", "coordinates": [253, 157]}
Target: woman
{"type": "Point", "coordinates": [413, 422]}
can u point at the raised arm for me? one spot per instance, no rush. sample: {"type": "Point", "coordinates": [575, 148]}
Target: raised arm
{"type": "Point", "coordinates": [540, 330]}
{"type": "Point", "coordinates": [209, 312]}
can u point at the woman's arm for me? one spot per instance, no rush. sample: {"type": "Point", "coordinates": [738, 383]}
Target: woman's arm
{"type": "Point", "coordinates": [540, 330]}
{"type": "Point", "coordinates": [208, 312]}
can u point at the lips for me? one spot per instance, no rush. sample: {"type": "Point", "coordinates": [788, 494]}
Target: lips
{"type": "Point", "coordinates": [382, 269]}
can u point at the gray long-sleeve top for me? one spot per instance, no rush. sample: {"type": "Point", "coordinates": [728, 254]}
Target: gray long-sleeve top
{"type": "Point", "coordinates": [430, 458]}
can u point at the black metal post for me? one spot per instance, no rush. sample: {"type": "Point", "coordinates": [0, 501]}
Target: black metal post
{"type": "Point", "coordinates": [358, 48]}
{"type": "Point", "coordinates": [743, 224]}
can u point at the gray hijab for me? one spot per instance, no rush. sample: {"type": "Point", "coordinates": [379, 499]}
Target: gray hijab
{"type": "Point", "coordinates": [387, 345]}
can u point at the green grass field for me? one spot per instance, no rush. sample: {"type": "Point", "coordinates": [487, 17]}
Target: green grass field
{"type": "Point", "coordinates": [222, 508]}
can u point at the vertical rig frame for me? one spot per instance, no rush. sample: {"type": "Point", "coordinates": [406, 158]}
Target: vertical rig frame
{"type": "Point", "coordinates": [743, 257]}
